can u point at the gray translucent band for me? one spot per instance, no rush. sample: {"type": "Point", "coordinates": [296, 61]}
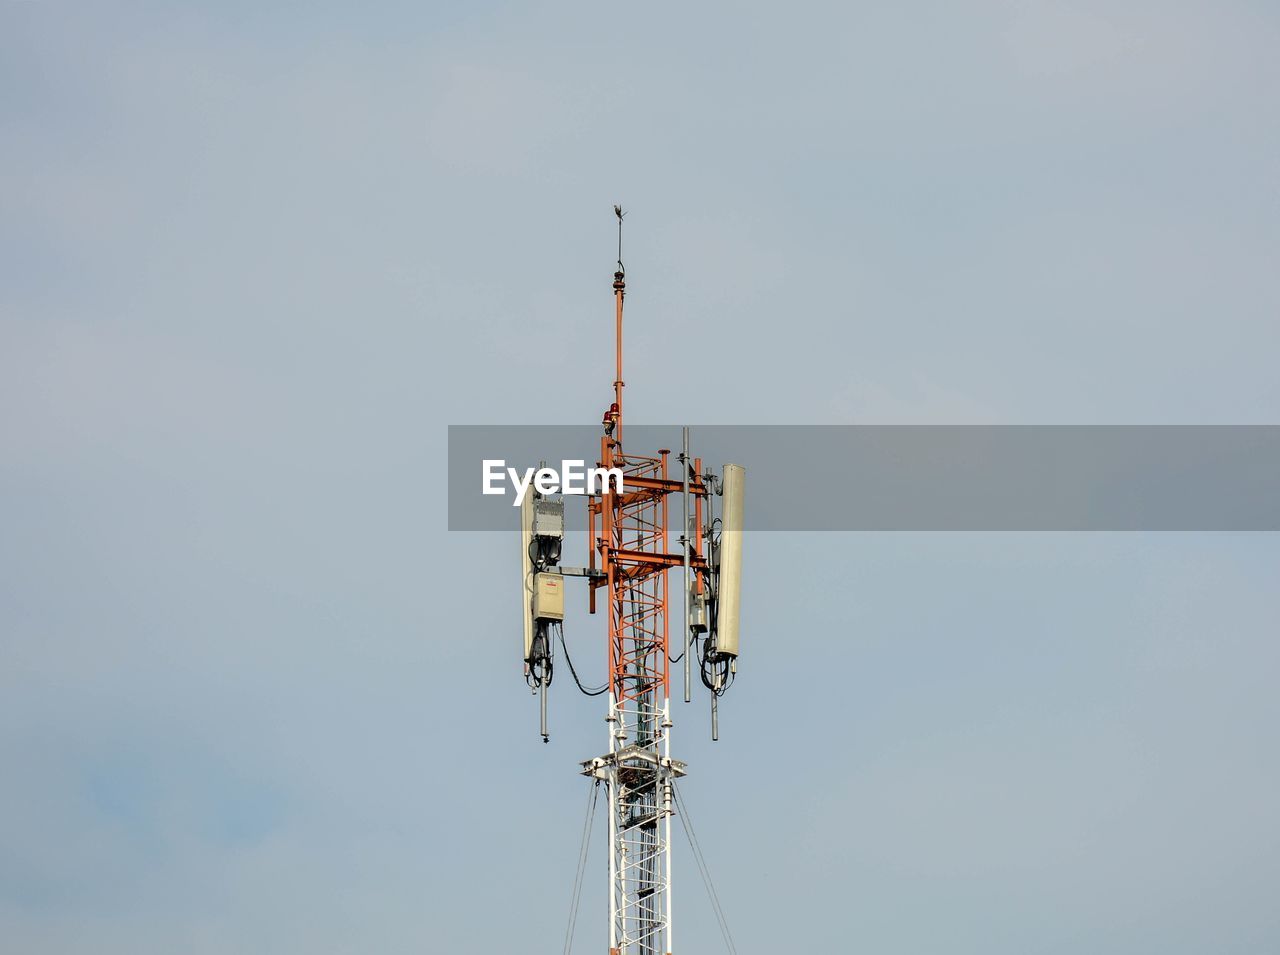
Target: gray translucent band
{"type": "Point", "coordinates": [925, 478]}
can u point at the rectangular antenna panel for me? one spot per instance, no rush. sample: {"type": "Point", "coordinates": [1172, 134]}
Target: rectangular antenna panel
{"type": "Point", "coordinates": [526, 575]}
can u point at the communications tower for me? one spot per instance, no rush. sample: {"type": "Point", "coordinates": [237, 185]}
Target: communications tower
{"type": "Point", "coordinates": [631, 556]}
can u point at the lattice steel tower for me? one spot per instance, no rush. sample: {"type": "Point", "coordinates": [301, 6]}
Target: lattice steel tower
{"type": "Point", "coordinates": [631, 559]}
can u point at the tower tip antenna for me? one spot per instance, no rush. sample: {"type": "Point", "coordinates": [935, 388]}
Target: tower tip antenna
{"type": "Point", "coordinates": [617, 211]}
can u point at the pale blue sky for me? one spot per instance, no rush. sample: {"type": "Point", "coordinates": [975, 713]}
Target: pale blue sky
{"type": "Point", "coordinates": [254, 698]}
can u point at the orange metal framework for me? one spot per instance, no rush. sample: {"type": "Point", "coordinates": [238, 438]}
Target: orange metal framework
{"type": "Point", "coordinates": [634, 556]}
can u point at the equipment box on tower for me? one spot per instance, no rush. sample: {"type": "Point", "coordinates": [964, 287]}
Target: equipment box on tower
{"type": "Point", "coordinates": [548, 597]}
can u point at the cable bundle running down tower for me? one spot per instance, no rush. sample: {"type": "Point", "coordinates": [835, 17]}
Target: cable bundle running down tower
{"type": "Point", "coordinates": [630, 559]}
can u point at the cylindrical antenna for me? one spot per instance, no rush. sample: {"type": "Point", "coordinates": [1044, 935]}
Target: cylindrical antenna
{"type": "Point", "coordinates": [542, 707]}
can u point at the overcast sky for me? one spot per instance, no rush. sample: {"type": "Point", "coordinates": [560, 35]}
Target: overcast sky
{"type": "Point", "coordinates": [255, 698]}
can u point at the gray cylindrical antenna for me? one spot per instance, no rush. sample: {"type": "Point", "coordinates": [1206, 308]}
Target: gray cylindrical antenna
{"type": "Point", "coordinates": [542, 704]}
{"type": "Point", "coordinates": [715, 711]}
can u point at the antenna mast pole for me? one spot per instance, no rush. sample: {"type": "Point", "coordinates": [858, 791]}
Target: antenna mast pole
{"type": "Point", "coordinates": [619, 293]}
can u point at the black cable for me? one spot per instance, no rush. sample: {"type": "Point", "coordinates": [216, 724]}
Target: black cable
{"type": "Point", "coordinates": [568, 660]}
{"type": "Point", "coordinates": [680, 656]}
{"type": "Point", "coordinates": [716, 671]}
{"type": "Point", "coordinates": [541, 668]}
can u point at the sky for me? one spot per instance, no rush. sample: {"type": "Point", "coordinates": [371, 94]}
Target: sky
{"type": "Point", "coordinates": [254, 260]}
